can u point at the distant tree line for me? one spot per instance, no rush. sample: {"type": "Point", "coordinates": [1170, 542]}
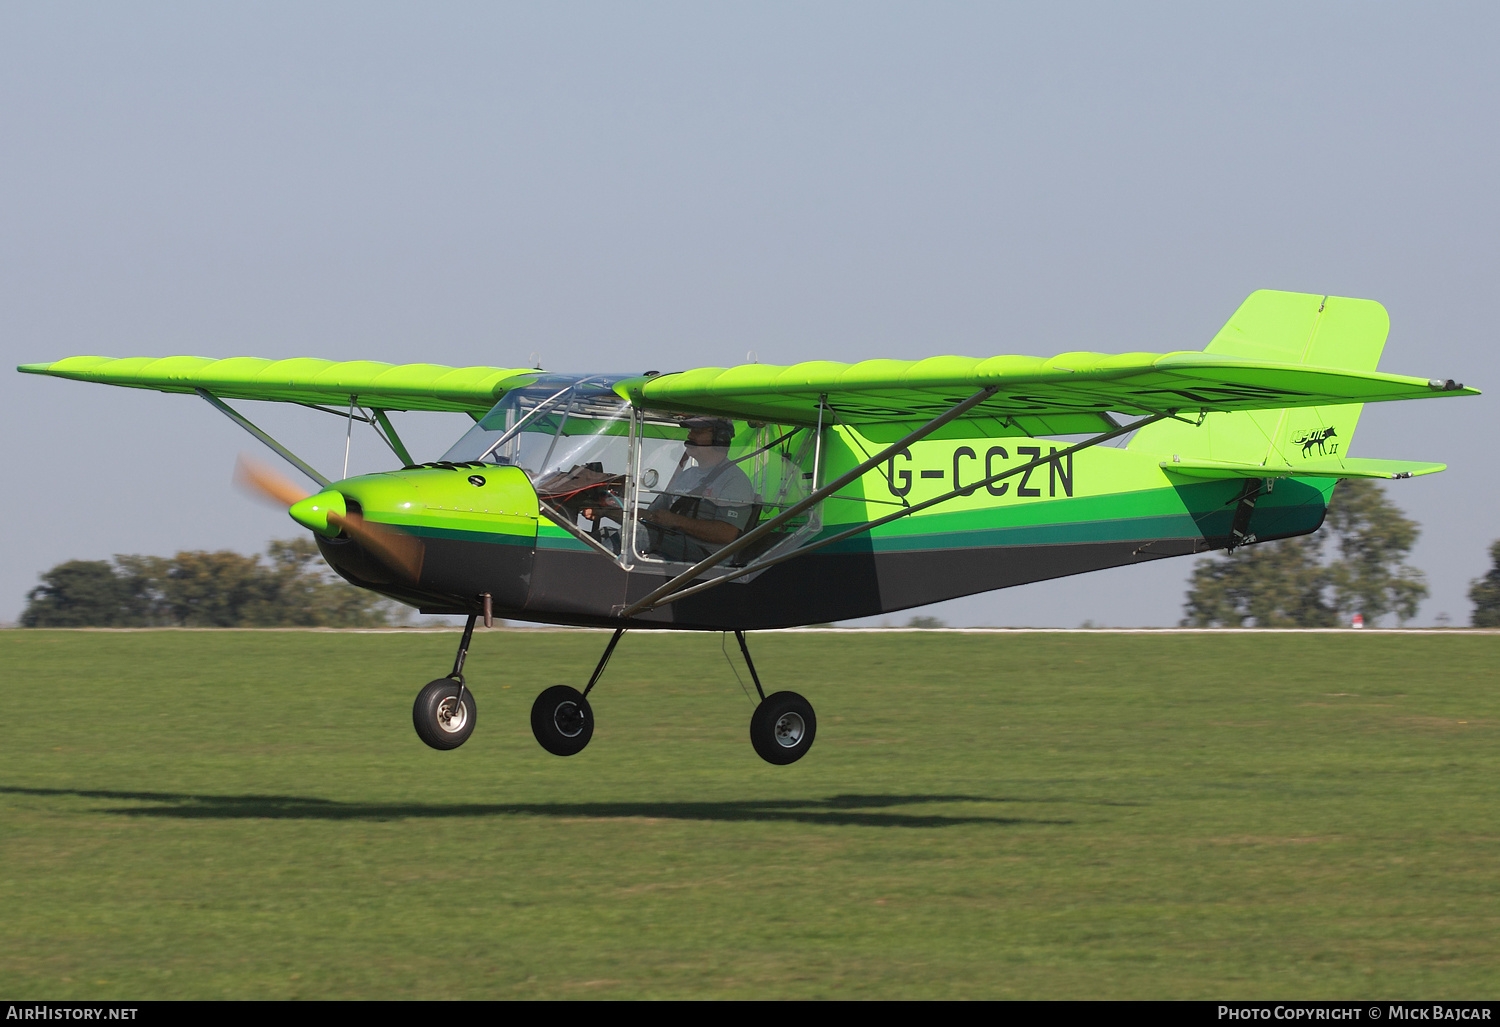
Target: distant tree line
{"type": "Point", "coordinates": [292, 587]}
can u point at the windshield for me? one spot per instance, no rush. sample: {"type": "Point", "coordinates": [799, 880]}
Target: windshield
{"type": "Point", "coordinates": [547, 422]}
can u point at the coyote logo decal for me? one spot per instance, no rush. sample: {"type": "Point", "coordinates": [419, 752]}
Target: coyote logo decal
{"type": "Point", "coordinates": [1307, 438]}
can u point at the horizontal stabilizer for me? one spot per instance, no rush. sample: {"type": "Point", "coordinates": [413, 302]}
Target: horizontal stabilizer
{"type": "Point", "coordinates": [1349, 467]}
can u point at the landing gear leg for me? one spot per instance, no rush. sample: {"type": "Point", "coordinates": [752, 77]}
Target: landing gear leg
{"type": "Point", "coordinates": [445, 712]}
{"type": "Point", "coordinates": [561, 718]}
{"type": "Point", "coordinates": [739, 636]}
{"type": "Point", "coordinates": [783, 725]}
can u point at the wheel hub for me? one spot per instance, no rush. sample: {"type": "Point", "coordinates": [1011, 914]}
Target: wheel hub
{"type": "Point", "coordinates": [568, 719]}
{"type": "Point", "coordinates": [790, 728]}
{"type": "Point", "coordinates": [452, 715]}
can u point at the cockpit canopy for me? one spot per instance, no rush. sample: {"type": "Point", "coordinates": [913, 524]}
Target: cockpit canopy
{"type": "Point", "coordinates": [546, 422]}
{"type": "Point", "coordinates": [615, 475]}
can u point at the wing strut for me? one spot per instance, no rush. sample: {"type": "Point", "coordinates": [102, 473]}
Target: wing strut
{"type": "Point", "coordinates": [275, 447]}
{"type": "Point", "coordinates": [391, 438]}
{"type": "Point", "coordinates": [761, 531]}
{"type": "Point", "coordinates": [761, 565]}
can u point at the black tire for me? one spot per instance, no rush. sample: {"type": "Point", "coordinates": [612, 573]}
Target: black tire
{"type": "Point", "coordinates": [783, 728]}
{"type": "Point", "coordinates": [562, 720]}
{"type": "Point", "coordinates": [433, 714]}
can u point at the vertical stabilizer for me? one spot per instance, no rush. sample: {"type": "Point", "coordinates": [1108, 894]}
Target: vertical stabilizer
{"type": "Point", "coordinates": [1291, 328]}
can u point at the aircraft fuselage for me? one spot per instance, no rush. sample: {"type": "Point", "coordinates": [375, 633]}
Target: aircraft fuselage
{"type": "Point", "coordinates": [483, 533]}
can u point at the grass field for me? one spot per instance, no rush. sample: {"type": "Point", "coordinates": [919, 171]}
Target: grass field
{"type": "Point", "coordinates": [250, 815]}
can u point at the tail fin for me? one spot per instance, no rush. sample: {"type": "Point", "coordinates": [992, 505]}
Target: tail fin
{"type": "Point", "coordinates": [1292, 328]}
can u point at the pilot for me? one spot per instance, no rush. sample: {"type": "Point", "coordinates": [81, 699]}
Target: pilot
{"type": "Point", "coordinates": [706, 506]}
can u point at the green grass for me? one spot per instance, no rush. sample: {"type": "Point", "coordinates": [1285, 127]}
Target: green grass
{"type": "Point", "coordinates": [249, 814]}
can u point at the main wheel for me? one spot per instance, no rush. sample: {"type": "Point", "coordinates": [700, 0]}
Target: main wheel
{"type": "Point", "coordinates": [783, 727]}
{"type": "Point", "coordinates": [562, 720]}
{"type": "Point", "coordinates": [440, 719]}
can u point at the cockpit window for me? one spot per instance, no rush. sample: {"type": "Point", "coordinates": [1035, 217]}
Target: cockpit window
{"type": "Point", "coordinates": [646, 486]}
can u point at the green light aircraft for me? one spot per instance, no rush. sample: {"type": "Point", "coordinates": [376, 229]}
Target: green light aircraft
{"type": "Point", "coordinates": [752, 497]}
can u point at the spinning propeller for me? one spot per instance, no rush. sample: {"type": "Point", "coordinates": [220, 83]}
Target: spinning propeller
{"type": "Point", "coordinates": [398, 551]}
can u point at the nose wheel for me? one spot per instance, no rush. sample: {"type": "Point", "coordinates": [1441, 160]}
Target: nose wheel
{"type": "Point", "coordinates": [445, 711]}
{"type": "Point", "coordinates": [443, 717]}
{"type": "Point", "coordinates": [782, 728]}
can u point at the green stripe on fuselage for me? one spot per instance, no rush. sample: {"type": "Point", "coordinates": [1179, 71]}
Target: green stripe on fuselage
{"type": "Point", "coordinates": [550, 536]}
{"type": "Point", "coordinates": [1116, 495]}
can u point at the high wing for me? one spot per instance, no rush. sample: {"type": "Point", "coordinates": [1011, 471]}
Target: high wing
{"type": "Point", "coordinates": [1069, 394]}
{"type": "Point", "coordinates": [471, 390]}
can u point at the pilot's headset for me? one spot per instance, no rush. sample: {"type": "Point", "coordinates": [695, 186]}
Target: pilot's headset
{"type": "Point", "coordinates": [723, 435]}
